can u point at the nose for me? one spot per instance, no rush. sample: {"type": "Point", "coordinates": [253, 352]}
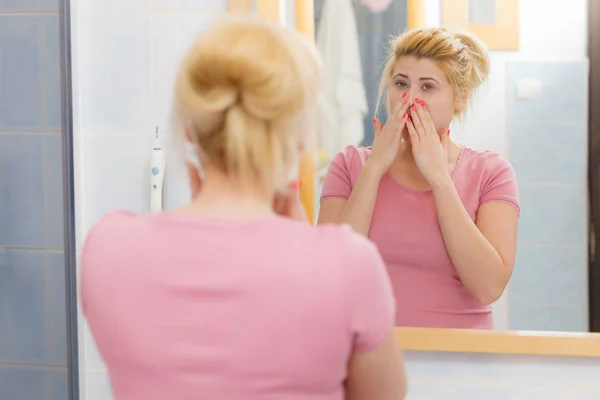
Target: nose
{"type": "Point", "coordinates": [412, 94]}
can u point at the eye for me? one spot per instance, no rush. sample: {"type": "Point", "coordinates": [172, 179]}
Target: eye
{"type": "Point", "coordinates": [401, 83]}
{"type": "Point", "coordinates": [428, 86]}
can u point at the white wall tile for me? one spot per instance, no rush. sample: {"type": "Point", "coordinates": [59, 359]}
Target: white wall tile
{"type": "Point", "coordinates": [487, 376]}
{"type": "Point", "coordinates": [463, 367]}
{"type": "Point", "coordinates": [98, 385]}
{"type": "Point", "coordinates": [78, 175]}
{"type": "Point", "coordinates": [89, 6]}
{"type": "Point", "coordinates": [175, 33]}
{"type": "Point", "coordinates": [80, 332]}
{"type": "Point", "coordinates": [196, 5]}
{"type": "Point", "coordinates": [93, 359]}
{"type": "Point", "coordinates": [116, 175]}
{"type": "Point", "coordinates": [177, 189]}
{"type": "Point", "coordinates": [560, 393]}
{"type": "Point", "coordinates": [427, 390]}
{"type": "Point", "coordinates": [565, 371]}
{"type": "Point", "coordinates": [115, 73]}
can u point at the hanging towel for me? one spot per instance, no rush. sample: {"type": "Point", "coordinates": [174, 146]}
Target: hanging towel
{"type": "Point", "coordinates": [376, 6]}
{"type": "Point", "coordinates": [343, 102]}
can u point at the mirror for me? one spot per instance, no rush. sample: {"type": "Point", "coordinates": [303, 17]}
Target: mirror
{"type": "Point", "coordinates": [531, 111]}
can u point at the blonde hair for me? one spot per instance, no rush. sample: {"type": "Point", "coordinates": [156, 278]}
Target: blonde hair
{"type": "Point", "coordinates": [245, 93]}
{"type": "Point", "coordinates": [461, 56]}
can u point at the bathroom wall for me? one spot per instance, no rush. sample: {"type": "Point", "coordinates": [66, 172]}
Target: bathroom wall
{"type": "Point", "coordinates": [546, 141]}
{"type": "Point", "coordinates": [125, 55]}
{"type": "Point", "coordinates": [33, 355]}
{"type": "Point", "coordinates": [471, 376]}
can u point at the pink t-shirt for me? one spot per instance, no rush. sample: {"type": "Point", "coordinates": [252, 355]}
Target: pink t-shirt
{"type": "Point", "coordinates": [405, 229]}
{"type": "Point", "coordinates": [183, 308]}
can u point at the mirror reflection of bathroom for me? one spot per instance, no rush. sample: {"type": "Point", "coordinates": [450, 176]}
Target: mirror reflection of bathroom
{"type": "Point", "coordinates": [516, 153]}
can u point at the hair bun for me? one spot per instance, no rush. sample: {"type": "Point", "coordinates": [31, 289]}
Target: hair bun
{"type": "Point", "coordinates": [479, 59]}
{"type": "Point", "coordinates": [246, 72]}
{"type": "Point", "coordinates": [239, 93]}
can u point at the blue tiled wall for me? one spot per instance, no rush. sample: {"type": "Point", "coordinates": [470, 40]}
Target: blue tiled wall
{"type": "Point", "coordinates": [33, 355]}
{"type": "Point", "coordinates": [548, 148]}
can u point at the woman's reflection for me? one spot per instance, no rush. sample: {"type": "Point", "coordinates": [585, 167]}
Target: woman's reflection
{"type": "Point", "coordinates": [443, 216]}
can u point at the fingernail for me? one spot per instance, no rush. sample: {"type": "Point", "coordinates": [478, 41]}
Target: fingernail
{"type": "Point", "coordinates": [373, 121]}
{"type": "Point", "coordinates": [448, 131]}
{"type": "Point", "coordinates": [413, 108]}
{"type": "Point", "coordinates": [417, 101]}
{"type": "Point", "coordinates": [404, 116]}
{"type": "Point", "coordinates": [405, 101]}
{"type": "Point", "coordinates": [404, 94]}
{"type": "Point", "coordinates": [295, 184]}
{"type": "Point", "coordinates": [409, 120]}
{"type": "Point", "coordinates": [422, 103]}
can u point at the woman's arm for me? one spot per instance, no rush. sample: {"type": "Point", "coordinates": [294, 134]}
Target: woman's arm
{"type": "Point", "coordinates": [356, 207]}
{"type": "Point", "coordinates": [483, 252]}
{"type": "Point", "coordinates": [375, 366]}
{"type": "Point", "coordinates": [357, 211]}
{"type": "Point", "coordinates": [378, 373]}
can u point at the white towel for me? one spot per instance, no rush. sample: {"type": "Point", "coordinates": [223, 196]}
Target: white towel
{"type": "Point", "coordinates": [376, 6]}
{"type": "Point", "coordinates": [343, 102]}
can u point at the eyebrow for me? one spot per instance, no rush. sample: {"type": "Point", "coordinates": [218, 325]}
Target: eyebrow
{"type": "Point", "coordinates": [421, 79]}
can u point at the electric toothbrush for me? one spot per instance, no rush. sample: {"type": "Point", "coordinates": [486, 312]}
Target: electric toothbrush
{"type": "Point", "coordinates": [157, 176]}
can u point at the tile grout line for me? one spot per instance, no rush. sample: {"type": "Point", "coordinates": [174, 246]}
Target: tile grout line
{"type": "Point", "coordinates": [46, 271]}
{"type": "Point", "coordinates": [27, 13]}
{"type": "Point", "coordinates": [47, 320]}
{"type": "Point", "coordinates": [35, 366]}
{"type": "Point", "coordinates": [49, 132]}
{"type": "Point", "coordinates": [32, 249]}
{"type": "Point", "coordinates": [42, 67]}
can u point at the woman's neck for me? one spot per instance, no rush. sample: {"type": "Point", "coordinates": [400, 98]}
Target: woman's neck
{"type": "Point", "coordinates": [225, 198]}
{"type": "Point", "coordinates": [405, 154]}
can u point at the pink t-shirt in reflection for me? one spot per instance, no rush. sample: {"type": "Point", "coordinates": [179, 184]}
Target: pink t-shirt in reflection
{"type": "Point", "coordinates": [405, 229]}
{"type": "Point", "coordinates": [269, 309]}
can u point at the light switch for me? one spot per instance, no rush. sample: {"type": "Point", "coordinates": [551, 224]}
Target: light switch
{"type": "Point", "coordinates": [529, 89]}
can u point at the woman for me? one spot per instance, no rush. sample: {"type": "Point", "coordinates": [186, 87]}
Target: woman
{"type": "Point", "coordinates": [225, 299]}
{"type": "Point", "coordinates": [443, 216]}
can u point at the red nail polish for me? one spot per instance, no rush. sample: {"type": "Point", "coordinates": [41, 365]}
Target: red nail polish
{"type": "Point", "coordinates": [404, 94]}
{"type": "Point", "coordinates": [413, 108]}
{"type": "Point", "coordinates": [417, 101]}
{"type": "Point", "coordinates": [448, 131]}
{"type": "Point", "coordinates": [405, 101]}
{"type": "Point", "coordinates": [409, 120]}
{"type": "Point", "coordinates": [373, 121]}
{"type": "Point", "coordinates": [422, 103]}
{"type": "Point", "coordinates": [404, 116]}
{"type": "Point", "coordinates": [295, 184]}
